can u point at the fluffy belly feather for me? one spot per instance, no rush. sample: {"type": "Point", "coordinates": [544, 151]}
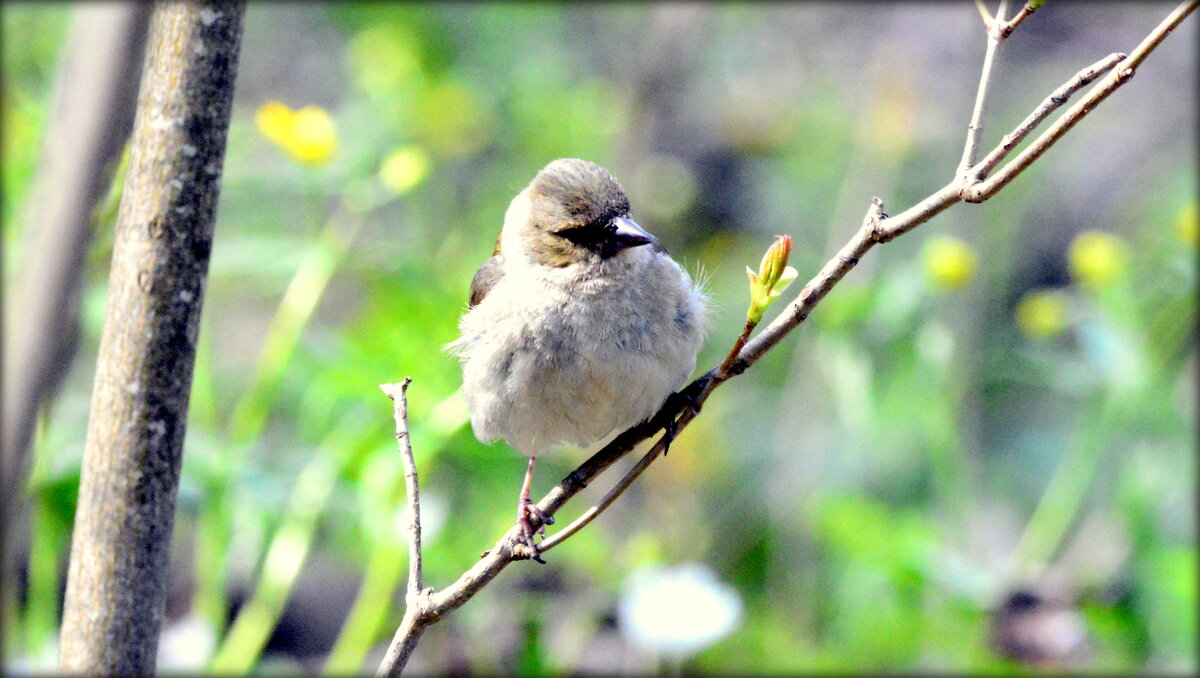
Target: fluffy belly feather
{"type": "Point", "coordinates": [538, 391]}
{"type": "Point", "coordinates": [541, 377]}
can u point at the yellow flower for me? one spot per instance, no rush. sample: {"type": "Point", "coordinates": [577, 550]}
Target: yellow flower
{"type": "Point", "coordinates": [1042, 314]}
{"type": "Point", "coordinates": [404, 169]}
{"type": "Point", "coordinates": [308, 135]}
{"type": "Point", "coordinates": [274, 120]}
{"type": "Point", "coordinates": [314, 136]}
{"type": "Point", "coordinates": [949, 263]}
{"type": "Point", "coordinates": [1096, 258]}
{"type": "Point", "coordinates": [1186, 226]}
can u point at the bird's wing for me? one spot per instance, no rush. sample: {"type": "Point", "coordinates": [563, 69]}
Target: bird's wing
{"type": "Point", "coordinates": [487, 276]}
{"type": "Point", "coordinates": [485, 279]}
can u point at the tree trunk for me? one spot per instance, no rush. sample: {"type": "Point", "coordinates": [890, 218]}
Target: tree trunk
{"type": "Point", "coordinates": [116, 583]}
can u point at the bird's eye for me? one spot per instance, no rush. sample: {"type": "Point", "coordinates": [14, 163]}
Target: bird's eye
{"type": "Point", "coordinates": [581, 235]}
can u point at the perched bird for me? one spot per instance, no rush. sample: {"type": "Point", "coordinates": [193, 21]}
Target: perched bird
{"type": "Point", "coordinates": [580, 324]}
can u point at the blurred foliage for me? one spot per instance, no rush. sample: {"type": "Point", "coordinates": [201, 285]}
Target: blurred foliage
{"type": "Point", "coordinates": [1003, 399]}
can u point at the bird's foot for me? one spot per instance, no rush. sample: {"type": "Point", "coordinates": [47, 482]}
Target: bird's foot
{"type": "Point", "coordinates": [687, 399]}
{"type": "Point", "coordinates": [528, 514]}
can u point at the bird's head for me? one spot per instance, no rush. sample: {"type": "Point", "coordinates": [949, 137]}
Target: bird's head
{"type": "Point", "coordinates": [572, 212]}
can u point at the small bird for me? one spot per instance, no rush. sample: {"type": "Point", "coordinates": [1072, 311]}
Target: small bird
{"type": "Point", "coordinates": [580, 325]}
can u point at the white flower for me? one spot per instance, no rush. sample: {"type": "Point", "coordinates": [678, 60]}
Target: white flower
{"type": "Point", "coordinates": [677, 611]}
{"type": "Point", "coordinates": [186, 644]}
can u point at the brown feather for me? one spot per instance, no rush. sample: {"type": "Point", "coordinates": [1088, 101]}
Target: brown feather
{"type": "Point", "coordinates": [486, 278]}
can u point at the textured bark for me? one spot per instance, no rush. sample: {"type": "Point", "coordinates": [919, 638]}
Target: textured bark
{"type": "Point", "coordinates": [93, 114]}
{"type": "Point", "coordinates": [116, 583]}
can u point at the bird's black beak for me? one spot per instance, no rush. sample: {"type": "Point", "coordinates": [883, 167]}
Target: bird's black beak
{"type": "Point", "coordinates": [628, 234]}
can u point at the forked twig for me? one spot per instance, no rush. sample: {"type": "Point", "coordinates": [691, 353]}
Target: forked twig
{"type": "Point", "coordinates": [975, 127]}
{"type": "Point", "coordinates": [1111, 82]}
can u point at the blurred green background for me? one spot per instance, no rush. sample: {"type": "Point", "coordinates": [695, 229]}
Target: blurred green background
{"type": "Point", "coordinates": [978, 454]}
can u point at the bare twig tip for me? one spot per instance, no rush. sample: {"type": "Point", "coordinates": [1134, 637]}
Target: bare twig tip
{"type": "Point", "coordinates": [396, 389]}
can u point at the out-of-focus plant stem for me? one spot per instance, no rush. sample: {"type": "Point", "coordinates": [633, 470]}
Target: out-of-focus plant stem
{"type": "Point", "coordinates": [384, 574]}
{"type": "Point", "coordinates": [1059, 506]}
{"type": "Point", "coordinates": [249, 416]}
{"type": "Point", "coordinates": [47, 548]}
{"type": "Point", "coordinates": [289, 548]}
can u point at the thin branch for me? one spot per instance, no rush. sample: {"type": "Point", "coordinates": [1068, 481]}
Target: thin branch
{"type": "Point", "coordinates": [731, 358]}
{"type": "Point", "coordinates": [975, 128]}
{"type": "Point", "coordinates": [617, 490]}
{"type": "Point", "coordinates": [984, 14]}
{"type": "Point", "coordinates": [398, 394]}
{"type": "Point", "coordinates": [1056, 99]}
{"type": "Point", "coordinates": [1159, 34]}
{"type": "Point", "coordinates": [417, 599]}
{"type": "Point", "coordinates": [876, 227]}
{"type": "Point", "coordinates": [409, 633]}
{"type": "Point", "coordinates": [930, 207]}
{"type": "Point", "coordinates": [870, 233]}
{"type": "Point", "coordinates": [1007, 27]}
{"type": "Point", "coordinates": [1107, 86]}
